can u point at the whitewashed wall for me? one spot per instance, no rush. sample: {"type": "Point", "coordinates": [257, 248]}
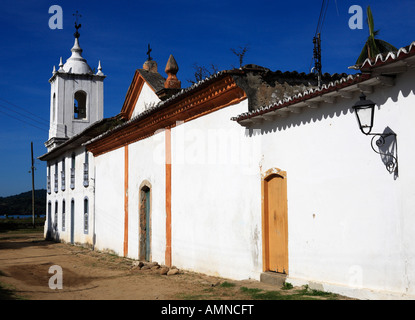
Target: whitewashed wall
{"type": "Point", "coordinates": [147, 165]}
{"type": "Point", "coordinates": [147, 99]}
{"type": "Point", "coordinates": [350, 220]}
{"type": "Point", "coordinates": [62, 122]}
{"type": "Point", "coordinates": [78, 194]}
{"type": "Point", "coordinates": [216, 203]}
{"type": "Point", "coordinates": [109, 196]}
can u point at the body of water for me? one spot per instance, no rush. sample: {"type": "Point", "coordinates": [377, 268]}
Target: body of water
{"type": "Point", "coordinates": [21, 216]}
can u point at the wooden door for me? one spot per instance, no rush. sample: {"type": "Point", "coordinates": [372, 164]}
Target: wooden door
{"type": "Point", "coordinates": [49, 231]}
{"type": "Point", "coordinates": [72, 221]}
{"type": "Point", "coordinates": [275, 223]}
{"type": "Point", "coordinates": [144, 232]}
{"type": "Point", "coordinates": [147, 212]}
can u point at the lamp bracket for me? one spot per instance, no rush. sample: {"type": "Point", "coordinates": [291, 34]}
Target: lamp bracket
{"type": "Point", "coordinates": [391, 162]}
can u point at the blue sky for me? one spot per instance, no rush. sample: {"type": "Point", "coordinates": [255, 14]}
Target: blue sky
{"type": "Point", "coordinates": [278, 34]}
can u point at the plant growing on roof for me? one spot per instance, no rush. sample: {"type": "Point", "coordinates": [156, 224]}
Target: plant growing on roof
{"type": "Point", "coordinates": [240, 54]}
{"type": "Point", "coordinates": [201, 72]}
{"type": "Point", "coordinates": [373, 46]}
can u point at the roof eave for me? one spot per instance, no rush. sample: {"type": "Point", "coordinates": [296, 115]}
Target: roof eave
{"type": "Point", "coordinates": [78, 139]}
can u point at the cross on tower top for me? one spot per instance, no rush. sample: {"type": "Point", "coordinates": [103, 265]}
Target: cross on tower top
{"type": "Point", "coordinates": [148, 53]}
{"type": "Point", "coordinates": [77, 15]}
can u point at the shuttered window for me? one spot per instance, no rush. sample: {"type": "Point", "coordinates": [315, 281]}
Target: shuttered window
{"type": "Point", "coordinates": [63, 182]}
{"type": "Point", "coordinates": [86, 215]}
{"type": "Point", "coordinates": [73, 171]}
{"type": "Point", "coordinates": [86, 170]}
{"type": "Point", "coordinates": [63, 215]}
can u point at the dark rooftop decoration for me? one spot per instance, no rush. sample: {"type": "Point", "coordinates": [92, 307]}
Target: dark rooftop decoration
{"type": "Point", "coordinates": [148, 53]}
{"type": "Point", "coordinates": [77, 26]}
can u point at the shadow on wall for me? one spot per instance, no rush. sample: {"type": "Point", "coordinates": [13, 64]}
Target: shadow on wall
{"type": "Point", "coordinates": [306, 116]}
{"type": "Point", "coordinates": [388, 150]}
{"type": "Point", "coordinates": [341, 107]}
{"type": "Point", "coordinates": [386, 145]}
{"type": "Point", "coordinates": [52, 232]}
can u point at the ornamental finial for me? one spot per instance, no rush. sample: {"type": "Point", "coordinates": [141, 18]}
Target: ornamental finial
{"type": "Point", "coordinates": [148, 53]}
{"type": "Point", "coordinates": [77, 26]}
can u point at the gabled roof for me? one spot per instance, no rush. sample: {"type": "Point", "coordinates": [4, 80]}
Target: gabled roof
{"type": "Point", "coordinates": [217, 91]}
{"type": "Point", "coordinates": [163, 104]}
{"type": "Point", "coordinates": [154, 79]}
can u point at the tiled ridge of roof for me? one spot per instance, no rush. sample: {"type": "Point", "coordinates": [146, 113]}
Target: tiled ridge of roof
{"type": "Point", "coordinates": [381, 59]}
{"type": "Point", "coordinates": [282, 76]}
{"type": "Point", "coordinates": [155, 79]}
{"type": "Point", "coordinates": [200, 84]}
{"type": "Point", "coordinates": [307, 94]}
{"type": "Point", "coordinates": [384, 58]}
{"type": "Point", "coordinates": [166, 102]}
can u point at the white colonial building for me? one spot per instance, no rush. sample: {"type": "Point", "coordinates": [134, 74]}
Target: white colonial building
{"type": "Point", "coordinates": [76, 103]}
{"type": "Point", "coordinates": [246, 173]}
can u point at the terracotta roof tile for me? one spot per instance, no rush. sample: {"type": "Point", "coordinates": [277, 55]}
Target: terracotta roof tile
{"type": "Point", "coordinates": [382, 59]}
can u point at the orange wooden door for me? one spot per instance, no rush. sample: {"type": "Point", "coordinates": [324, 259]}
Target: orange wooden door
{"type": "Point", "coordinates": [275, 224]}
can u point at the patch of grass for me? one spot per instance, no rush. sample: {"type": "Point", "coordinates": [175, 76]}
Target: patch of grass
{"type": "Point", "coordinates": [318, 293]}
{"type": "Point", "coordinates": [304, 294]}
{"type": "Point", "coordinates": [258, 294]}
{"type": "Point", "coordinates": [7, 292]}
{"type": "Point", "coordinates": [226, 284]}
{"type": "Point", "coordinates": [28, 230]}
{"type": "Point", "coordinates": [268, 295]}
{"type": "Point", "coordinates": [253, 292]}
{"type": "Point", "coordinates": [306, 291]}
{"type": "Point", "coordinates": [287, 286]}
{"type": "Point", "coordinates": [250, 290]}
{"type": "Point", "coordinates": [186, 296]}
{"type": "Point", "coordinates": [21, 225]}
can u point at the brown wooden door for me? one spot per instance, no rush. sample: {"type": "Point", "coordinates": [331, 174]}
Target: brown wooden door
{"type": "Point", "coordinates": [275, 223]}
{"type": "Point", "coordinates": [144, 231]}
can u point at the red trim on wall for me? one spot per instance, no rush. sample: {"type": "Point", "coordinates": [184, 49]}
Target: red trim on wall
{"type": "Point", "coordinates": [125, 201]}
{"type": "Point", "coordinates": [168, 257]}
{"type": "Point", "coordinates": [132, 96]}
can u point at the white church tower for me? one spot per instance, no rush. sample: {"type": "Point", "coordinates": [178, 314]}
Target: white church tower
{"type": "Point", "coordinates": [77, 97]}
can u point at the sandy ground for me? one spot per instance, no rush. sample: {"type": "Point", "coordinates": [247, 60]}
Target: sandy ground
{"type": "Point", "coordinates": [89, 275]}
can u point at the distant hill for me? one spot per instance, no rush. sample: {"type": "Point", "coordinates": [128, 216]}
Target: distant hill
{"type": "Point", "coordinates": [22, 203]}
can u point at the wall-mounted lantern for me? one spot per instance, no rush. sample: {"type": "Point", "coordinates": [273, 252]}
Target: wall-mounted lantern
{"type": "Point", "coordinates": [365, 113]}
{"type": "Point", "coordinates": [365, 110]}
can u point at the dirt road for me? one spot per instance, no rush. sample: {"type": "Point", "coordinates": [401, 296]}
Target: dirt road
{"type": "Point", "coordinates": [25, 260]}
